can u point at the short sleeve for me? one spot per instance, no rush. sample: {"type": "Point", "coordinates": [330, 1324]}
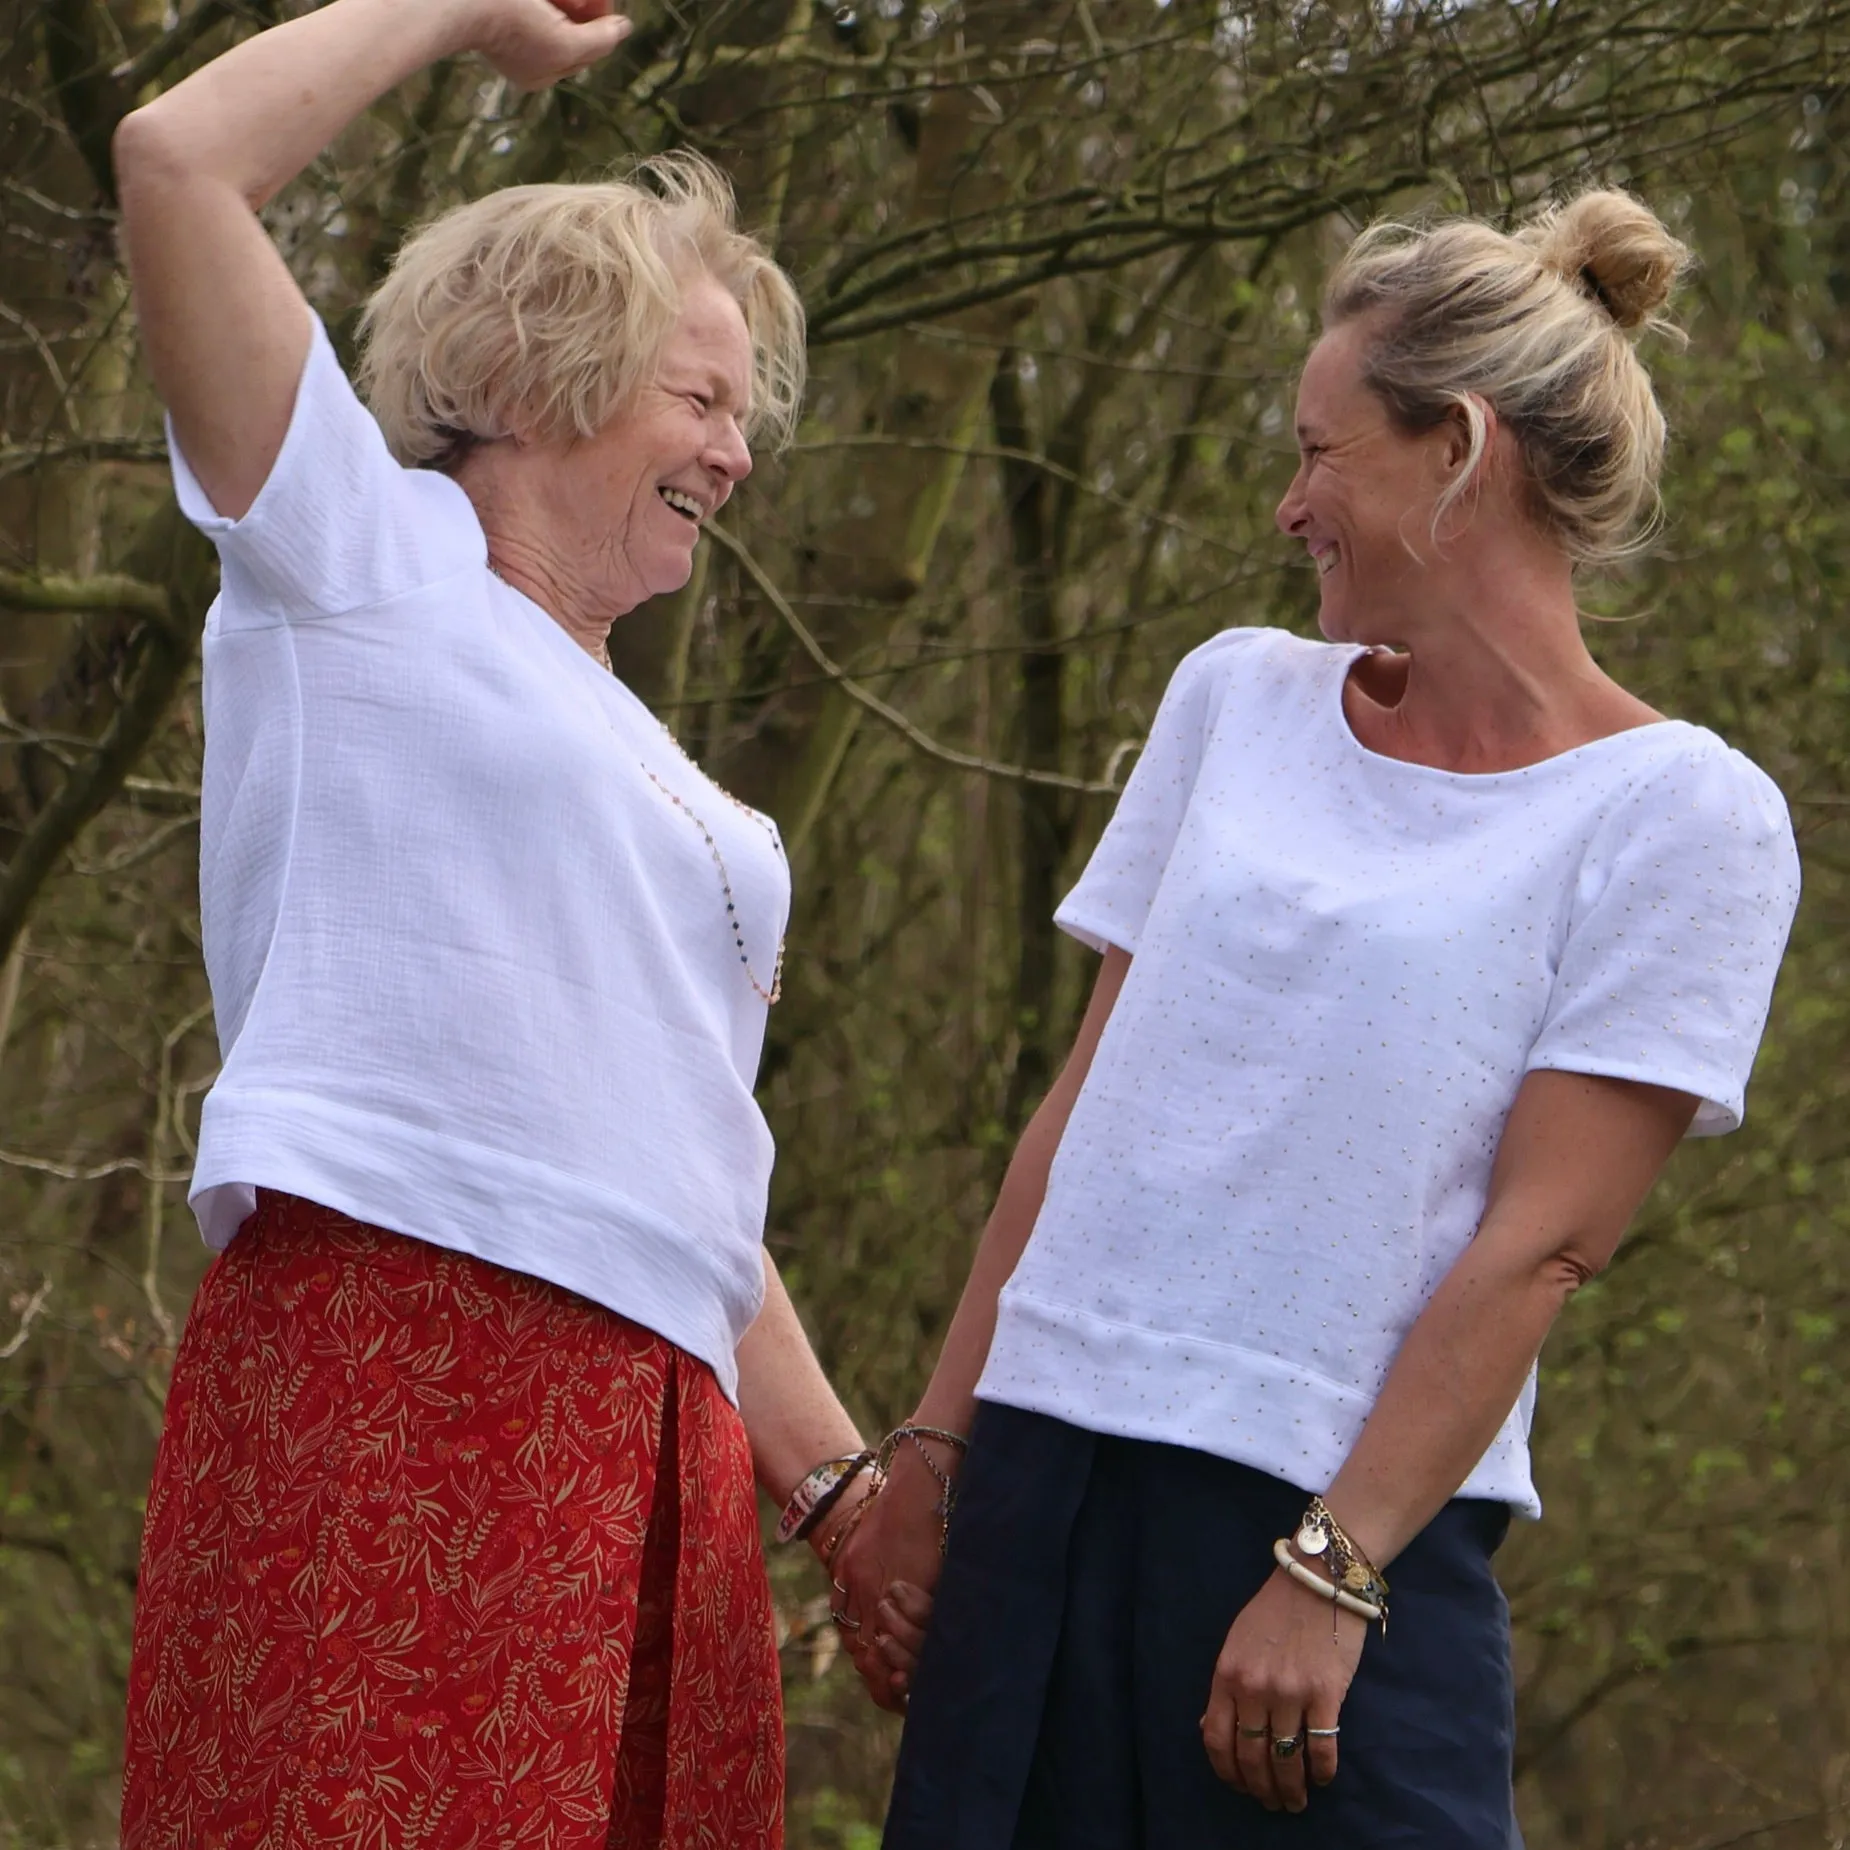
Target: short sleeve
{"type": "Point", "coordinates": [1114, 894]}
{"type": "Point", "coordinates": [1676, 936]}
{"type": "Point", "coordinates": [338, 525]}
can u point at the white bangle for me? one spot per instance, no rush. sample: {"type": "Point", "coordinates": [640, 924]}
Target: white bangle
{"type": "Point", "coordinates": [1362, 1608]}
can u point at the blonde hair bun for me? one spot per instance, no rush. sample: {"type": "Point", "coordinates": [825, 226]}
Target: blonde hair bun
{"type": "Point", "coordinates": [1534, 324]}
{"type": "Point", "coordinates": [1616, 248]}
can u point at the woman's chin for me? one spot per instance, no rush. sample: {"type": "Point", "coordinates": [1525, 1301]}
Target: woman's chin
{"type": "Point", "coordinates": [670, 573]}
{"type": "Point", "coordinates": [1331, 617]}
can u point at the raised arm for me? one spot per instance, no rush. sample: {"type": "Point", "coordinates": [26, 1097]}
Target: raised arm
{"type": "Point", "coordinates": [225, 328]}
{"type": "Point", "coordinates": [1577, 1156]}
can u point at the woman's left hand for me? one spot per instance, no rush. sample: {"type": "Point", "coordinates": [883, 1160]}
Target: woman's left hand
{"type": "Point", "coordinates": [1280, 1672]}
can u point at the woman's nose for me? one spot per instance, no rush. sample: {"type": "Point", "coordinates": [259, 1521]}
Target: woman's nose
{"type": "Point", "coordinates": [1290, 511]}
{"type": "Point", "coordinates": [729, 453]}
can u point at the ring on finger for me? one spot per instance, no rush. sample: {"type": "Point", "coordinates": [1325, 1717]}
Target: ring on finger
{"type": "Point", "coordinates": [1254, 1734]}
{"type": "Point", "coordinates": [847, 1624]}
{"type": "Point", "coordinates": [1323, 1734]}
{"type": "Point", "coordinates": [1284, 1746]}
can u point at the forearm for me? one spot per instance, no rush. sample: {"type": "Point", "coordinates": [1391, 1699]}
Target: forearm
{"type": "Point", "coordinates": [223, 324]}
{"type": "Point", "coordinates": [950, 1397]}
{"type": "Point", "coordinates": [791, 1414]}
{"type": "Point", "coordinates": [1578, 1155]}
{"type": "Point", "coordinates": [1451, 1387]}
{"type": "Point", "coordinates": [254, 118]}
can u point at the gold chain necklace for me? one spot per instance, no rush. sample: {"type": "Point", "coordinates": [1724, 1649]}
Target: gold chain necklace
{"type": "Point", "coordinates": [769, 997]}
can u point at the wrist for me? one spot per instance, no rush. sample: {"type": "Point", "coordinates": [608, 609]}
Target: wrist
{"type": "Point", "coordinates": [815, 1495]}
{"type": "Point", "coordinates": [826, 1538]}
{"type": "Point", "coordinates": [459, 26]}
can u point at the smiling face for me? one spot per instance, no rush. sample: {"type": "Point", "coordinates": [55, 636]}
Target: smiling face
{"type": "Point", "coordinates": [1363, 497]}
{"type": "Point", "coordinates": [626, 505]}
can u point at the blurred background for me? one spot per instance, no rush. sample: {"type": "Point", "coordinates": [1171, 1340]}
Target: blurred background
{"type": "Point", "coordinates": [1061, 262]}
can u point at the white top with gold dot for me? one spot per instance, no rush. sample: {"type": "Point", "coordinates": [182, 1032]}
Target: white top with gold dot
{"type": "Point", "coordinates": [1343, 967]}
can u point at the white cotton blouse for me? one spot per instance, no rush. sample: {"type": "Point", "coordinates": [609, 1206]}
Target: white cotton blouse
{"type": "Point", "coordinates": [474, 975]}
{"type": "Point", "coordinates": [1343, 967]}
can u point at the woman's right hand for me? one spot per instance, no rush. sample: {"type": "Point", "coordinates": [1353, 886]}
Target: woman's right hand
{"type": "Point", "coordinates": [886, 1573]}
{"type": "Point", "coordinates": [534, 43]}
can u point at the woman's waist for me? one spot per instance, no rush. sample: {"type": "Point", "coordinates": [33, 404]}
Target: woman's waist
{"type": "Point", "coordinates": [1293, 1416]}
{"type": "Point", "coordinates": [676, 1245]}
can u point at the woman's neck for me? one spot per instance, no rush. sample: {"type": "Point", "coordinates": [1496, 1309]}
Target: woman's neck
{"type": "Point", "coordinates": [522, 552]}
{"type": "Point", "coordinates": [1490, 673]}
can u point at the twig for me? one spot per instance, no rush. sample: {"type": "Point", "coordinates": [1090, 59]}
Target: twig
{"type": "Point", "coordinates": [95, 1172]}
{"type": "Point", "coordinates": [34, 1305]}
{"type": "Point", "coordinates": [161, 661]}
{"type": "Point", "coordinates": [10, 975]}
{"type": "Point", "coordinates": [157, 1158]}
{"type": "Point", "coordinates": [1760, 1830]}
{"type": "Point", "coordinates": [23, 459]}
{"type": "Point", "coordinates": [171, 46]}
{"type": "Point", "coordinates": [932, 748]}
{"type": "Point", "coordinates": [105, 591]}
{"type": "Point", "coordinates": [42, 348]}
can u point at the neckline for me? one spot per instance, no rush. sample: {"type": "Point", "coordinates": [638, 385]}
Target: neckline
{"type": "Point", "coordinates": [1352, 653]}
{"type": "Point", "coordinates": [606, 685]}
{"type": "Point", "coordinates": [558, 629]}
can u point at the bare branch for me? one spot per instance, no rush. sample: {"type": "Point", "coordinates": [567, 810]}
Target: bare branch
{"type": "Point", "coordinates": [173, 45]}
{"type": "Point", "coordinates": [891, 716]}
{"type": "Point", "coordinates": [160, 660]}
{"type": "Point", "coordinates": [23, 459]}
{"type": "Point", "coordinates": [34, 1304]}
{"type": "Point", "coordinates": [89, 1172]}
{"type": "Point", "coordinates": [106, 591]}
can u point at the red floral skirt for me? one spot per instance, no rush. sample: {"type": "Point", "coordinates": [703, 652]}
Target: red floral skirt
{"type": "Point", "coordinates": [440, 1555]}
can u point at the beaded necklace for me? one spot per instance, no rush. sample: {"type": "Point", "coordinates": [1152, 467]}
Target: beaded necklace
{"type": "Point", "coordinates": [767, 996]}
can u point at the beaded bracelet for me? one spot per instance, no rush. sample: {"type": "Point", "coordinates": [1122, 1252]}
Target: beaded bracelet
{"type": "Point", "coordinates": [947, 1487]}
{"type": "Point", "coordinates": [818, 1493]}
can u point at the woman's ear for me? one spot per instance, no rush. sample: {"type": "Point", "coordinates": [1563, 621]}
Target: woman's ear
{"type": "Point", "coordinates": [1458, 447]}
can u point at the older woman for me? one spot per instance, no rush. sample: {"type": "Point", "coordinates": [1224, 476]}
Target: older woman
{"type": "Point", "coordinates": [1422, 948]}
{"type": "Point", "coordinates": [452, 1538]}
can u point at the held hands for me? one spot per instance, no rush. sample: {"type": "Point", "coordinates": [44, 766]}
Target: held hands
{"type": "Point", "coordinates": [883, 1579]}
{"type": "Point", "coordinates": [535, 43]}
{"type": "Point", "coordinates": [1281, 1677]}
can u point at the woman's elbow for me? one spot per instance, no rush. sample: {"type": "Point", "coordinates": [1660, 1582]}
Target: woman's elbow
{"type": "Point", "coordinates": [144, 151]}
{"type": "Point", "coordinates": [1570, 1266]}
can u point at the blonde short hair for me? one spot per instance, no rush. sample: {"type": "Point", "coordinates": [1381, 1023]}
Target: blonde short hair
{"type": "Point", "coordinates": [545, 309]}
{"type": "Point", "coordinates": [1536, 324]}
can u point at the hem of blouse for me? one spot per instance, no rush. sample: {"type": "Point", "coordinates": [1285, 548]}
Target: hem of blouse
{"type": "Point", "coordinates": [1207, 1401]}
{"type": "Point", "coordinates": [488, 1203]}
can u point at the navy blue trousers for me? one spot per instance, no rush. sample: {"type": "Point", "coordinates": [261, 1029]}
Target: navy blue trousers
{"type": "Point", "coordinates": [1088, 1587]}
